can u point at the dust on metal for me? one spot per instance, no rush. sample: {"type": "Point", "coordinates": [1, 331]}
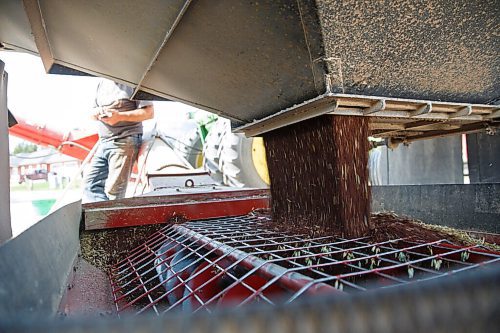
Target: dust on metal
{"type": "Point", "coordinates": [149, 210]}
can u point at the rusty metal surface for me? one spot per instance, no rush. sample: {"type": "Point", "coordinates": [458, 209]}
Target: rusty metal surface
{"type": "Point", "coordinates": [178, 198]}
{"type": "Point", "coordinates": [87, 293]}
{"type": "Point", "coordinates": [158, 209]}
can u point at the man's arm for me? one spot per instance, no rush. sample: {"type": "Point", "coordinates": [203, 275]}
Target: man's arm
{"type": "Point", "coordinates": [99, 112]}
{"type": "Point", "coordinates": [96, 112]}
{"type": "Point", "coordinates": [113, 116]}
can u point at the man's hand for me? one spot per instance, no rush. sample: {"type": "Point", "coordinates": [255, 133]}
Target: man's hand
{"type": "Point", "coordinates": [110, 116]}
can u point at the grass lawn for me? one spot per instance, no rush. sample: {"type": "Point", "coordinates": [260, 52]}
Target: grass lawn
{"type": "Point", "coordinates": [39, 186]}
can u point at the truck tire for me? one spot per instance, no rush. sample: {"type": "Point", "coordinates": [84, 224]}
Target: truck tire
{"type": "Point", "coordinates": [191, 148]}
{"type": "Point", "coordinates": [212, 150]}
{"type": "Point", "coordinates": [242, 163]}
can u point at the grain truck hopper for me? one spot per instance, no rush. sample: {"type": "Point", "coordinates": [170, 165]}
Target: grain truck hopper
{"type": "Point", "coordinates": [417, 69]}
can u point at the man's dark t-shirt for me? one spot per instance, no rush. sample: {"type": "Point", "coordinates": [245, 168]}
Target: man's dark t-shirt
{"type": "Point", "coordinates": [107, 93]}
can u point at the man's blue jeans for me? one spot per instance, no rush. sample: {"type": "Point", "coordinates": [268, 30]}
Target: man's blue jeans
{"type": "Point", "coordinates": [108, 174]}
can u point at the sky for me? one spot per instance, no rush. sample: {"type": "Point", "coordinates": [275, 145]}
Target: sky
{"type": "Point", "coordinates": [61, 102]}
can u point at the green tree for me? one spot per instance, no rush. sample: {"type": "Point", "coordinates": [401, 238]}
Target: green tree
{"type": "Point", "coordinates": [24, 147]}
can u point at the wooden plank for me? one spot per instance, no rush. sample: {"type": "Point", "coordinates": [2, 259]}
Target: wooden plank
{"type": "Point", "coordinates": [374, 106]}
{"type": "Point", "coordinates": [494, 114]}
{"type": "Point", "coordinates": [385, 126]}
{"type": "Point", "coordinates": [352, 97]}
{"type": "Point", "coordinates": [470, 128]}
{"type": "Point", "coordinates": [419, 123]}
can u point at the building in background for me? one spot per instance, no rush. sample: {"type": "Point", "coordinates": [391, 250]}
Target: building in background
{"type": "Point", "coordinates": [43, 165]}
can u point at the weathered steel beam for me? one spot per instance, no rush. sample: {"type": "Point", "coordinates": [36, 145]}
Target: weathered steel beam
{"type": "Point", "coordinates": [153, 210]}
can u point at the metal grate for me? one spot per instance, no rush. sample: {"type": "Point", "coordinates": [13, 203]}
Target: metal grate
{"type": "Point", "coordinates": [210, 264]}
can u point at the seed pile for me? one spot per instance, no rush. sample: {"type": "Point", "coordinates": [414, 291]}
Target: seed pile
{"type": "Point", "coordinates": [319, 175]}
{"type": "Point", "coordinates": [102, 248]}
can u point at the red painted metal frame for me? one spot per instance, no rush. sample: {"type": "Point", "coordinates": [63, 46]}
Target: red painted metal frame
{"type": "Point", "coordinates": [153, 210]}
{"type": "Point", "coordinates": [42, 135]}
{"type": "Point", "coordinates": [204, 265]}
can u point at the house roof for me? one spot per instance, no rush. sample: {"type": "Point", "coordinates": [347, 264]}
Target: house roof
{"type": "Point", "coordinates": [42, 156]}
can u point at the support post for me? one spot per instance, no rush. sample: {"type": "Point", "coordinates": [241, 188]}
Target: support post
{"type": "Point", "coordinates": [5, 227]}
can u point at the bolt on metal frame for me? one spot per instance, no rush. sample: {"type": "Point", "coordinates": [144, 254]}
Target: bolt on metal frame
{"type": "Point", "coordinates": [239, 260]}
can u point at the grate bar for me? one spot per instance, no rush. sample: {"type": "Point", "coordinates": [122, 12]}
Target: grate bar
{"type": "Point", "coordinates": [202, 265]}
